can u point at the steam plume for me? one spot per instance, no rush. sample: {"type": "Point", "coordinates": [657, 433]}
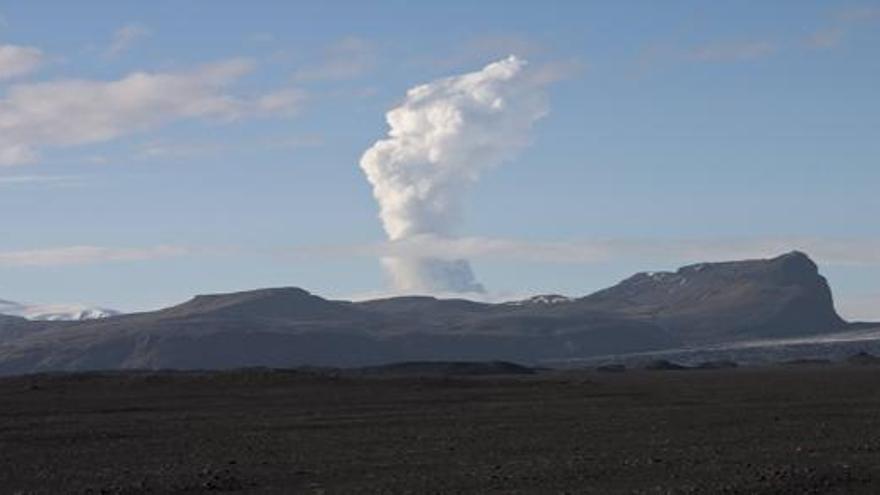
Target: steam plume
{"type": "Point", "coordinates": [443, 136]}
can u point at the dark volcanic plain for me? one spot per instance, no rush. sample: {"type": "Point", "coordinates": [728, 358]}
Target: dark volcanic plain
{"type": "Point", "coordinates": [785, 429]}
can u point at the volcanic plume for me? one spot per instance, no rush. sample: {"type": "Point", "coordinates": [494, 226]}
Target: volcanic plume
{"type": "Point", "coordinates": [442, 138]}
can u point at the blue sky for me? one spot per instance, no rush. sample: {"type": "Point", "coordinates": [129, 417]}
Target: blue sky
{"type": "Point", "coordinates": [151, 151]}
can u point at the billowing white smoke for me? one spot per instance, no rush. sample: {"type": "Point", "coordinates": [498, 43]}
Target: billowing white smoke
{"type": "Point", "coordinates": [443, 136]}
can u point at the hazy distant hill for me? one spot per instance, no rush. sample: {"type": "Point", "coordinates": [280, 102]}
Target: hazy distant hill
{"type": "Point", "coordinates": [54, 312]}
{"type": "Point", "coordinates": [698, 304]}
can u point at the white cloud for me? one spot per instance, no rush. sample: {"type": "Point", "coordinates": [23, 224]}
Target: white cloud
{"type": "Point", "coordinates": [17, 60]}
{"type": "Point", "coordinates": [83, 255]}
{"type": "Point", "coordinates": [75, 112]}
{"type": "Point", "coordinates": [125, 37]}
{"type": "Point", "coordinates": [348, 58]}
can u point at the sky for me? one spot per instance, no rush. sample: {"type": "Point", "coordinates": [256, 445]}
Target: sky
{"type": "Point", "coordinates": [151, 151]}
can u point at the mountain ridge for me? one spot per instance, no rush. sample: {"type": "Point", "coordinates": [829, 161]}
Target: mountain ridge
{"type": "Point", "coordinates": [706, 303]}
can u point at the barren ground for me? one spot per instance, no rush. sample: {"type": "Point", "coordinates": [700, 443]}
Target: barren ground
{"type": "Point", "coordinates": [771, 430]}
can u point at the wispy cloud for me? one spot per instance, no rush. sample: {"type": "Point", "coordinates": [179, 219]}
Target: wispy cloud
{"type": "Point", "coordinates": [125, 37]}
{"type": "Point", "coordinates": [84, 255]}
{"type": "Point", "coordinates": [175, 149]}
{"type": "Point", "coordinates": [837, 252]}
{"type": "Point", "coordinates": [842, 23]}
{"type": "Point", "coordinates": [827, 251]}
{"type": "Point", "coordinates": [17, 60]}
{"type": "Point", "coordinates": [193, 149]}
{"type": "Point", "coordinates": [295, 141]}
{"type": "Point", "coordinates": [287, 101]}
{"type": "Point", "coordinates": [479, 49]}
{"type": "Point", "coordinates": [76, 112]}
{"type": "Point", "coordinates": [41, 180]}
{"type": "Point", "coordinates": [733, 51]}
{"type": "Point", "coordinates": [859, 14]}
{"type": "Point", "coordinates": [347, 58]}
{"type": "Point", "coordinates": [662, 53]}
{"type": "Point", "coordinates": [829, 37]}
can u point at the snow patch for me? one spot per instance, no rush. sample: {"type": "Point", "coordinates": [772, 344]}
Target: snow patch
{"type": "Point", "coordinates": [543, 299]}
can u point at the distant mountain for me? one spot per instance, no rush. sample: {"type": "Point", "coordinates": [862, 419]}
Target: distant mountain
{"type": "Point", "coordinates": [701, 304]}
{"type": "Point", "coordinates": [284, 304]}
{"type": "Point", "coordinates": [54, 312]}
{"type": "Point", "coordinates": [723, 302]}
{"type": "Point", "coordinates": [9, 307]}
